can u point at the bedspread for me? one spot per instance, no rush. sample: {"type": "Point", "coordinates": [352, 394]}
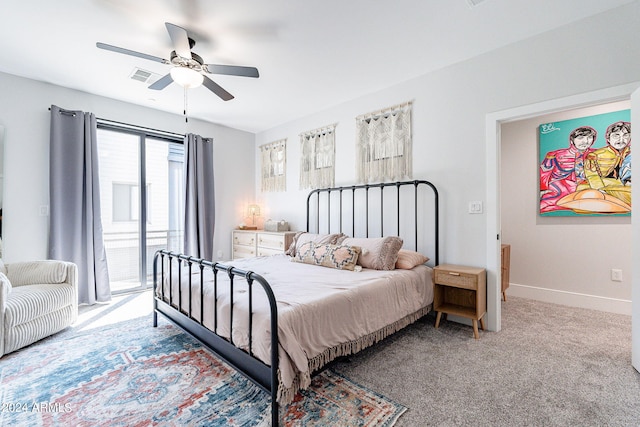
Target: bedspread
{"type": "Point", "coordinates": [323, 313]}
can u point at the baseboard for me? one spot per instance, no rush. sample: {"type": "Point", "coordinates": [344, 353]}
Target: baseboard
{"type": "Point", "coordinates": [572, 299]}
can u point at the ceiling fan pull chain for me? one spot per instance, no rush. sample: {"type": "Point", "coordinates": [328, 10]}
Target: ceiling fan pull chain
{"type": "Point", "coordinates": [186, 119]}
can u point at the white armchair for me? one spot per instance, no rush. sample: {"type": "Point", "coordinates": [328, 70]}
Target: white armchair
{"type": "Point", "coordinates": [37, 299]}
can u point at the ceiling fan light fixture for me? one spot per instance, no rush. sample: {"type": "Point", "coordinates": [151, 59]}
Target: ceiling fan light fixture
{"type": "Point", "coordinates": [186, 77]}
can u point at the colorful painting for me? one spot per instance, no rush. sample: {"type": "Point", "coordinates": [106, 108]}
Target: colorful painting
{"type": "Point", "coordinates": [585, 166]}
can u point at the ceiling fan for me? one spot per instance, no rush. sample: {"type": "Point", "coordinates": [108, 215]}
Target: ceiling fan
{"type": "Point", "coordinates": [187, 67]}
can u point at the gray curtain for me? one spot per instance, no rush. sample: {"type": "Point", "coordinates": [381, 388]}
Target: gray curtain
{"type": "Point", "coordinates": [199, 210]}
{"type": "Point", "coordinates": [75, 227]}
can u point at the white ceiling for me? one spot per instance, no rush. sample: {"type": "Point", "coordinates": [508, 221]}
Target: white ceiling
{"type": "Point", "coordinates": [311, 55]}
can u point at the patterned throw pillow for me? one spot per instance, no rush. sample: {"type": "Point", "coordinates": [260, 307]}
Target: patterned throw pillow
{"type": "Point", "coordinates": [302, 237]}
{"type": "Point", "coordinates": [342, 257]}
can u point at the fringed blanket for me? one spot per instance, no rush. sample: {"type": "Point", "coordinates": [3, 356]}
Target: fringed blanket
{"type": "Point", "coordinates": [323, 313]}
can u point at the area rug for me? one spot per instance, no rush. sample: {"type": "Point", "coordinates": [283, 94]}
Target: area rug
{"type": "Point", "coordinates": [131, 374]}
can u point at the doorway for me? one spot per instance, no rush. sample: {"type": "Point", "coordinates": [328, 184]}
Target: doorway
{"type": "Point", "coordinates": [493, 143]}
{"type": "Point", "coordinates": [494, 122]}
{"type": "Point", "coordinates": [562, 259]}
{"type": "Point", "coordinates": [141, 188]}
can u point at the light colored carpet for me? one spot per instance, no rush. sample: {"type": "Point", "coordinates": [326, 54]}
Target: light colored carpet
{"type": "Point", "coordinates": [550, 365]}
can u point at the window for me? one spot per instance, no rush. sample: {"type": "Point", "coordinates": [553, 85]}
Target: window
{"type": "Point", "coordinates": [135, 165]}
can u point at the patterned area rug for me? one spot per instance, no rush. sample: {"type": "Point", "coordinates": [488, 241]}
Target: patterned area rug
{"type": "Point", "coordinates": [131, 374]}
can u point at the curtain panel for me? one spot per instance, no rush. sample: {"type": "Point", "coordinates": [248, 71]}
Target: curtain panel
{"type": "Point", "coordinates": [199, 210]}
{"type": "Point", "coordinates": [383, 151]}
{"type": "Point", "coordinates": [274, 166]}
{"type": "Point", "coordinates": [75, 224]}
{"type": "Point", "coordinates": [317, 158]}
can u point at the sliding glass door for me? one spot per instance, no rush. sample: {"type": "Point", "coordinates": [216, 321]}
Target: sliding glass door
{"type": "Point", "coordinates": [141, 195]}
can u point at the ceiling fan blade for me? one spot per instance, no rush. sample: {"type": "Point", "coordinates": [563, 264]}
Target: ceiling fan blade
{"type": "Point", "coordinates": [232, 70]}
{"type": "Point", "coordinates": [217, 89]}
{"type": "Point", "coordinates": [131, 52]}
{"type": "Point", "coordinates": [180, 40]}
{"type": "Point", "coordinates": [162, 83]}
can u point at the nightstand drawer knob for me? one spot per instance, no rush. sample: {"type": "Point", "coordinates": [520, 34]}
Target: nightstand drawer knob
{"type": "Point", "coordinates": [453, 273]}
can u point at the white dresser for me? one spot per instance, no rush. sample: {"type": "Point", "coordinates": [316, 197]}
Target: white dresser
{"type": "Point", "coordinates": [250, 243]}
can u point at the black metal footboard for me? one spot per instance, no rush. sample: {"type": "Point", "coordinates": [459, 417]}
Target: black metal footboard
{"type": "Point", "coordinates": [171, 306]}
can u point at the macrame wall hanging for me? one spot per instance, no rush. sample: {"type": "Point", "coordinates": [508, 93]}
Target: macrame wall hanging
{"type": "Point", "coordinates": [317, 158]}
{"type": "Point", "coordinates": [383, 145]}
{"type": "Point", "coordinates": [274, 166]}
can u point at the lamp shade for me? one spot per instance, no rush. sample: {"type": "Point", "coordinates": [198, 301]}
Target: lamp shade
{"type": "Point", "coordinates": [186, 77]}
{"type": "Point", "coordinates": [253, 210]}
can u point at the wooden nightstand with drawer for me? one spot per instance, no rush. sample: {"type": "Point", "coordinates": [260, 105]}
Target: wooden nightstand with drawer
{"type": "Point", "coordinates": [461, 291]}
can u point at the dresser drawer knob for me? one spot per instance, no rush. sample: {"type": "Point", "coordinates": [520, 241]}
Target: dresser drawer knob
{"type": "Point", "coordinates": [453, 273]}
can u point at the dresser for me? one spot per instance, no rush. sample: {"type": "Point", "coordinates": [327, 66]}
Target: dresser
{"type": "Point", "coordinates": [251, 243]}
{"type": "Point", "coordinates": [506, 267]}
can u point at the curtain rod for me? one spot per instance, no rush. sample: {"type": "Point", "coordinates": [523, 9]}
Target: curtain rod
{"type": "Point", "coordinates": [275, 144]}
{"type": "Point", "coordinates": [384, 111]}
{"type": "Point", "coordinates": [319, 131]}
{"type": "Point", "coordinates": [67, 112]}
{"type": "Point", "coordinates": [126, 125]}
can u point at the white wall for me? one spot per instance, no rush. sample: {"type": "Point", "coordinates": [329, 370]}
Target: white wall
{"type": "Point", "coordinates": [24, 114]}
{"type": "Point", "coordinates": [450, 108]}
{"type": "Point", "coordinates": [559, 259]}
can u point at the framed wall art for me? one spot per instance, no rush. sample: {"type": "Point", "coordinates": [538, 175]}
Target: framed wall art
{"type": "Point", "coordinates": [585, 166]}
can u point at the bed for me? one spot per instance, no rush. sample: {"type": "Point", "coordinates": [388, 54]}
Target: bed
{"type": "Point", "coordinates": [356, 275]}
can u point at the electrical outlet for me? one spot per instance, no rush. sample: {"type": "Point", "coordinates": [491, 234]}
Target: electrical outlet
{"type": "Point", "coordinates": [616, 275]}
{"type": "Point", "coordinates": [220, 254]}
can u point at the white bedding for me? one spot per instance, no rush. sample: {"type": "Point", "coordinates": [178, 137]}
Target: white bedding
{"type": "Point", "coordinates": [323, 313]}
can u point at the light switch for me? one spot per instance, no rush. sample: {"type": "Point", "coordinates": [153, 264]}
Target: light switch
{"type": "Point", "coordinates": [475, 207]}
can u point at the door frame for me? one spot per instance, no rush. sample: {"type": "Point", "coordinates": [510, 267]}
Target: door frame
{"type": "Point", "coordinates": [493, 122]}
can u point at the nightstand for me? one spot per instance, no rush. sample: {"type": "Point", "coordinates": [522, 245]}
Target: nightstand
{"type": "Point", "coordinates": [462, 291]}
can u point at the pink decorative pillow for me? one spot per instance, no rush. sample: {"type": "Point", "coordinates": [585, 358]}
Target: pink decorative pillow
{"type": "Point", "coordinates": [378, 253]}
{"type": "Point", "coordinates": [408, 259]}
{"type": "Point", "coordinates": [303, 237]}
{"type": "Point", "coordinates": [341, 257]}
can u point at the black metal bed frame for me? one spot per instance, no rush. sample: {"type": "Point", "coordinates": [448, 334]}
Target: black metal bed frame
{"type": "Point", "coordinates": [263, 375]}
{"type": "Point", "coordinates": [353, 189]}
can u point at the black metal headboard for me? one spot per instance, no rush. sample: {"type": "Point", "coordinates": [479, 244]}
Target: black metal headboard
{"type": "Point", "coordinates": [377, 210]}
